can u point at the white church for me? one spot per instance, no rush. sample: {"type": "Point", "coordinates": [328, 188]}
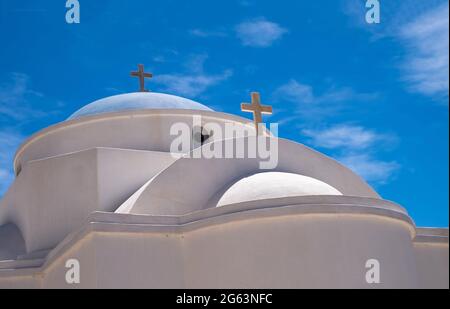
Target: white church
{"type": "Point", "coordinates": [102, 200]}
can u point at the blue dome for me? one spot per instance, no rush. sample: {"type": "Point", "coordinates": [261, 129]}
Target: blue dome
{"type": "Point", "coordinates": [137, 101]}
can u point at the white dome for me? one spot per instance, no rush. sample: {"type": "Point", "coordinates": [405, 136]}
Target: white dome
{"type": "Point", "coordinates": [137, 101]}
{"type": "Point", "coordinates": [272, 185]}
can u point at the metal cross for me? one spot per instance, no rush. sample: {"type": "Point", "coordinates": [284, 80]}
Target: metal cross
{"type": "Point", "coordinates": [256, 108]}
{"type": "Point", "coordinates": [142, 75]}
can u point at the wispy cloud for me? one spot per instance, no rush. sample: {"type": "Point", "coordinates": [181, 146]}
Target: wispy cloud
{"type": "Point", "coordinates": [246, 3]}
{"type": "Point", "coordinates": [259, 32]}
{"type": "Point", "coordinates": [296, 92]}
{"type": "Point", "coordinates": [160, 55]}
{"type": "Point", "coordinates": [190, 85]}
{"type": "Point", "coordinates": [17, 106]}
{"type": "Point", "coordinates": [427, 41]}
{"type": "Point", "coordinates": [394, 15]}
{"type": "Point", "coordinates": [208, 33]}
{"type": "Point", "coordinates": [9, 142]}
{"type": "Point", "coordinates": [356, 147]}
{"type": "Point", "coordinates": [371, 169]}
{"type": "Point", "coordinates": [345, 136]}
{"type": "Point", "coordinates": [422, 28]}
{"type": "Point", "coordinates": [159, 59]}
{"type": "Point", "coordinates": [15, 96]}
{"type": "Point", "coordinates": [316, 105]}
{"type": "Point", "coordinates": [195, 81]}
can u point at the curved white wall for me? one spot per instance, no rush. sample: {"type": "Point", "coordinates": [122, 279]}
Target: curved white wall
{"type": "Point", "coordinates": [270, 185]}
{"type": "Point", "coordinates": [53, 197]}
{"type": "Point", "coordinates": [432, 258]}
{"type": "Point", "coordinates": [311, 251]}
{"type": "Point", "coordinates": [138, 130]}
{"type": "Point", "coordinates": [324, 246]}
{"type": "Point", "coordinates": [173, 191]}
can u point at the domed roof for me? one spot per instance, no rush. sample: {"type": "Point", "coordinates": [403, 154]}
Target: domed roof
{"type": "Point", "coordinates": [137, 101]}
{"type": "Point", "coordinates": [271, 185]}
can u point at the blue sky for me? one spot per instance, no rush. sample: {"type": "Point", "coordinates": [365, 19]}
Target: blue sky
{"type": "Point", "coordinates": [374, 96]}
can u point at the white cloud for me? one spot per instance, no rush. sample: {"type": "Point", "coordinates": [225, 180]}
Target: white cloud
{"type": "Point", "coordinates": [315, 105]}
{"type": "Point", "coordinates": [160, 55]}
{"type": "Point", "coordinates": [196, 63]}
{"type": "Point", "coordinates": [14, 96]}
{"type": "Point", "coordinates": [246, 3]}
{"type": "Point", "coordinates": [13, 93]}
{"type": "Point", "coordinates": [195, 81]}
{"type": "Point", "coordinates": [190, 85]}
{"type": "Point", "coordinates": [207, 33]}
{"type": "Point", "coordinates": [159, 58]}
{"type": "Point", "coordinates": [394, 14]}
{"type": "Point", "coordinates": [370, 169]}
{"type": "Point", "coordinates": [343, 136]}
{"type": "Point", "coordinates": [9, 142]}
{"type": "Point", "coordinates": [355, 147]}
{"type": "Point", "coordinates": [259, 32]}
{"type": "Point", "coordinates": [296, 92]}
{"type": "Point", "coordinates": [422, 28]}
{"type": "Point", "coordinates": [255, 33]}
{"type": "Point", "coordinates": [427, 41]}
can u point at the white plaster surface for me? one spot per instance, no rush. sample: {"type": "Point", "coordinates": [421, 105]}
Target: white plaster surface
{"type": "Point", "coordinates": [137, 130]}
{"type": "Point", "coordinates": [298, 246]}
{"type": "Point", "coordinates": [271, 185]}
{"type": "Point", "coordinates": [58, 194]}
{"type": "Point", "coordinates": [103, 188]}
{"type": "Point", "coordinates": [137, 101]}
{"type": "Point", "coordinates": [213, 177]}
